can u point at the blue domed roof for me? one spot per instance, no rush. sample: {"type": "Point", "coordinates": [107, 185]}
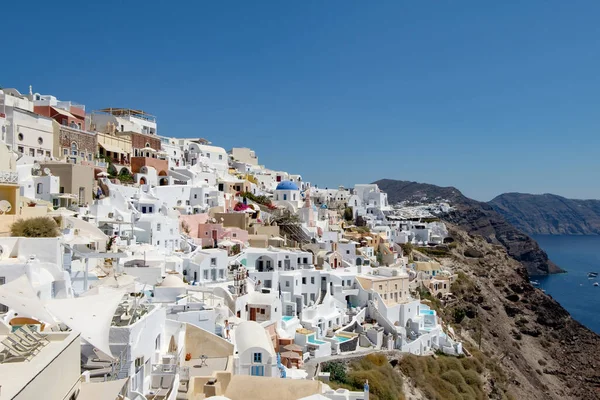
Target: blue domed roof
{"type": "Point", "coordinates": [324, 206]}
{"type": "Point", "coordinates": [287, 185]}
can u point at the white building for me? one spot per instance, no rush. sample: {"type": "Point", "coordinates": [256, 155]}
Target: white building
{"type": "Point", "coordinates": [109, 120]}
{"type": "Point", "coordinates": [25, 131]}
{"type": "Point", "coordinates": [254, 352]}
{"type": "Point", "coordinates": [206, 266]}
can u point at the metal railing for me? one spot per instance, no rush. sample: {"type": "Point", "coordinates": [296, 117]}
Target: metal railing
{"type": "Point", "coordinates": [9, 177]}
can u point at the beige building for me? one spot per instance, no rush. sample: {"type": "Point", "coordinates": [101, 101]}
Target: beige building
{"type": "Point", "coordinates": [76, 179]}
{"type": "Point", "coordinates": [244, 154]}
{"type": "Point", "coordinates": [116, 147]}
{"type": "Point", "coordinates": [390, 283]}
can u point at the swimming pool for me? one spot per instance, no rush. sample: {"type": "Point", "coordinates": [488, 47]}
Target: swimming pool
{"type": "Point", "coordinates": [311, 339]}
{"type": "Point", "coordinates": [427, 312]}
{"type": "Point", "coordinates": [341, 339]}
{"type": "Point", "coordinates": [286, 318]}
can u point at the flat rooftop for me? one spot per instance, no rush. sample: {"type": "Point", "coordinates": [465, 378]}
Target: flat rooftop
{"type": "Point", "coordinates": [17, 375]}
{"type": "Point", "coordinates": [210, 366]}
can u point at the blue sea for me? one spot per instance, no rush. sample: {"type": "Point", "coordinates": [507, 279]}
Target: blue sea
{"type": "Point", "coordinates": [578, 255]}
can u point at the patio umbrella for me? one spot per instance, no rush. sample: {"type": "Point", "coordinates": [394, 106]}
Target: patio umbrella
{"type": "Point", "coordinates": [226, 243]}
{"type": "Point", "coordinates": [292, 347]}
{"type": "Point", "coordinates": [290, 355]}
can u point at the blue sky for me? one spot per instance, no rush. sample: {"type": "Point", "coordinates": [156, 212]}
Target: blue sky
{"type": "Point", "coordinates": [489, 97]}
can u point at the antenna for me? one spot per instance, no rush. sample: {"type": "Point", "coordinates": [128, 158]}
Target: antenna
{"type": "Point", "coordinates": [5, 206]}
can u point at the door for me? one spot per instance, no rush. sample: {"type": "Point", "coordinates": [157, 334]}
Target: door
{"type": "Point", "coordinates": [213, 274]}
{"type": "Point", "coordinates": [253, 314]}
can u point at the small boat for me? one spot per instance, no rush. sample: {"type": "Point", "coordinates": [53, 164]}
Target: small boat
{"type": "Point", "coordinates": [592, 274]}
{"type": "Point", "coordinates": [534, 283]}
{"type": "Point", "coordinates": [596, 284]}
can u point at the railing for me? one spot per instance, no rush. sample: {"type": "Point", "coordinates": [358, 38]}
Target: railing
{"type": "Point", "coordinates": [9, 177]}
{"type": "Point", "coordinates": [76, 130]}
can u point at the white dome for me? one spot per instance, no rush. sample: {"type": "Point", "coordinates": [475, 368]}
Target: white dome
{"type": "Point", "coordinates": [172, 280]}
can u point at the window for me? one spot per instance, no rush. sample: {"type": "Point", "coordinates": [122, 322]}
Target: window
{"type": "Point", "coordinates": [3, 308]}
{"type": "Point", "coordinates": [47, 154]}
{"type": "Point", "coordinates": [284, 197]}
{"type": "Point", "coordinates": [158, 227]}
{"type": "Point", "coordinates": [20, 136]}
{"type": "Point", "coordinates": [158, 242]}
{"type": "Point", "coordinates": [304, 281]}
{"type": "Point", "coordinates": [32, 152]}
{"type": "Point", "coordinates": [207, 155]}
{"type": "Point", "coordinates": [157, 342]}
{"type": "Point", "coordinates": [62, 189]}
{"type": "Point", "coordinates": [20, 149]}
{"type": "Point", "coordinates": [349, 282]}
{"type": "Point", "coordinates": [74, 149]}
{"type": "Point", "coordinates": [79, 125]}
{"type": "Point", "coordinates": [287, 283]}
{"type": "Point", "coordinates": [221, 274]}
{"type": "Point", "coordinates": [220, 156]}
{"type": "Point", "coordinates": [312, 280]}
{"type": "Point", "coordinates": [213, 262]}
{"type": "Point", "coordinates": [144, 209]}
{"type": "Point", "coordinates": [150, 209]}
{"type": "Point", "coordinates": [205, 274]}
{"type": "Point", "coordinates": [305, 260]}
{"type": "Point", "coordinates": [312, 297]}
{"type": "Point", "coordinates": [380, 287]}
{"type": "Point", "coordinates": [257, 370]}
{"type": "Point", "coordinates": [234, 234]}
{"type": "Point", "coordinates": [187, 202]}
{"type": "Point", "coordinates": [40, 188]}
{"type": "Point", "coordinates": [195, 196]}
{"type": "Point", "coordinates": [65, 152]}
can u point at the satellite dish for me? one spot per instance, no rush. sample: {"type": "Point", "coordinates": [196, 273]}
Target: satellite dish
{"type": "Point", "coordinates": [119, 218]}
{"type": "Point", "coordinates": [5, 206]}
{"type": "Point", "coordinates": [47, 171]}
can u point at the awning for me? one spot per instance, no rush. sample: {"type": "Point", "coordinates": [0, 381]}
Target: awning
{"type": "Point", "coordinates": [64, 112]}
{"type": "Point", "coordinates": [112, 149]}
{"type": "Point", "coordinates": [19, 295]}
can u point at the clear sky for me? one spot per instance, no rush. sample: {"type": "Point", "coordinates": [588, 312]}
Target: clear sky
{"type": "Point", "coordinates": [487, 96]}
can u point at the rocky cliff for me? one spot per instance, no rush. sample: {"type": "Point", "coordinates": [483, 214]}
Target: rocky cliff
{"type": "Point", "coordinates": [542, 351]}
{"type": "Point", "coordinates": [476, 218]}
{"type": "Point", "coordinates": [549, 214]}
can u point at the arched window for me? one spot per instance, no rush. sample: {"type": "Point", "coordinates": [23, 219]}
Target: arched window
{"type": "Point", "coordinates": [74, 149]}
{"type": "Point", "coordinates": [40, 188]}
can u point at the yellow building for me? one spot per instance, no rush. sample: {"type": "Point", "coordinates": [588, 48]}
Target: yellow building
{"type": "Point", "coordinates": [116, 147]}
{"type": "Point", "coordinates": [390, 283]}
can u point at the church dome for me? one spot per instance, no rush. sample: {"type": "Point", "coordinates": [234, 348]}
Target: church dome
{"type": "Point", "coordinates": [287, 185]}
{"type": "Point", "coordinates": [172, 280]}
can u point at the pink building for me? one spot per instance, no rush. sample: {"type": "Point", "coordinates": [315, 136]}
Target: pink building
{"type": "Point", "coordinates": [211, 234]}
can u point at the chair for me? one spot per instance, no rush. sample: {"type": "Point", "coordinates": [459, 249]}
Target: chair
{"type": "Point", "coordinates": [34, 333]}
{"type": "Point", "coordinates": [12, 350]}
{"type": "Point", "coordinates": [26, 337]}
{"type": "Point", "coordinates": [19, 344]}
{"type": "Point", "coordinates": [203, 359]}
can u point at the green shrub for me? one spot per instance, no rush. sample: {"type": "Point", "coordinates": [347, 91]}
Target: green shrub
{"type": "Point", "coordinates": [35, 227]}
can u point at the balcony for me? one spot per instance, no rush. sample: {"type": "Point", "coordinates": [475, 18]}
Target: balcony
{"type": "Point", "coordinates": [9, 177]}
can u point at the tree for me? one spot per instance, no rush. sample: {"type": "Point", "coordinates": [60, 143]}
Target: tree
{"type": "Point", "coordinates": [348, 214]}
{"type": "Point", "coordinates": [35, 227]}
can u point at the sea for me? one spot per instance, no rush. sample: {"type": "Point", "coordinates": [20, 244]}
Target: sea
{"type": "Point", "coordinates": [578, 255]}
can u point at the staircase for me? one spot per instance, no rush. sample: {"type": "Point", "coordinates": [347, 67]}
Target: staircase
{"type": "Point", "coordinates": [123, 364]}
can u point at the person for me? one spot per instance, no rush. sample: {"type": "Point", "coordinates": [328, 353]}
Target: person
{"type": "Point", "coordinates": [226, 329]}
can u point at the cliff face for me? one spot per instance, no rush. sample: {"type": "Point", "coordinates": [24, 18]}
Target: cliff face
{"type": "Point", "coordinates": [543, 352]}
{"type": "Point", "coordinates": [548, 214]}
{"type": "Point", "coordinates": [476, 218]}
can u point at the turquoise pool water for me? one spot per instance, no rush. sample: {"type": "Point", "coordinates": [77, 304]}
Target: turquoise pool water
{"type": "Point", "coordinates": [311, 339]}
{"type": "Point", "coordinates": [341, 339]}
{"type": "Point", "coordinates": [287, 318]}
{"type": "Point", "coordinates": [427, 312]}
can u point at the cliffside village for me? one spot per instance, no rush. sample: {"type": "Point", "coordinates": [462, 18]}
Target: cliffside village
{"type": "Point", "coordinates": [185, 271]}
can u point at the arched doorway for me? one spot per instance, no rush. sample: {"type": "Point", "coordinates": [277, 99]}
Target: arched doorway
{"type": "Point", "coordinates": [163, 182]}
{"type": "Point", "coordinates": [142, 181]}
